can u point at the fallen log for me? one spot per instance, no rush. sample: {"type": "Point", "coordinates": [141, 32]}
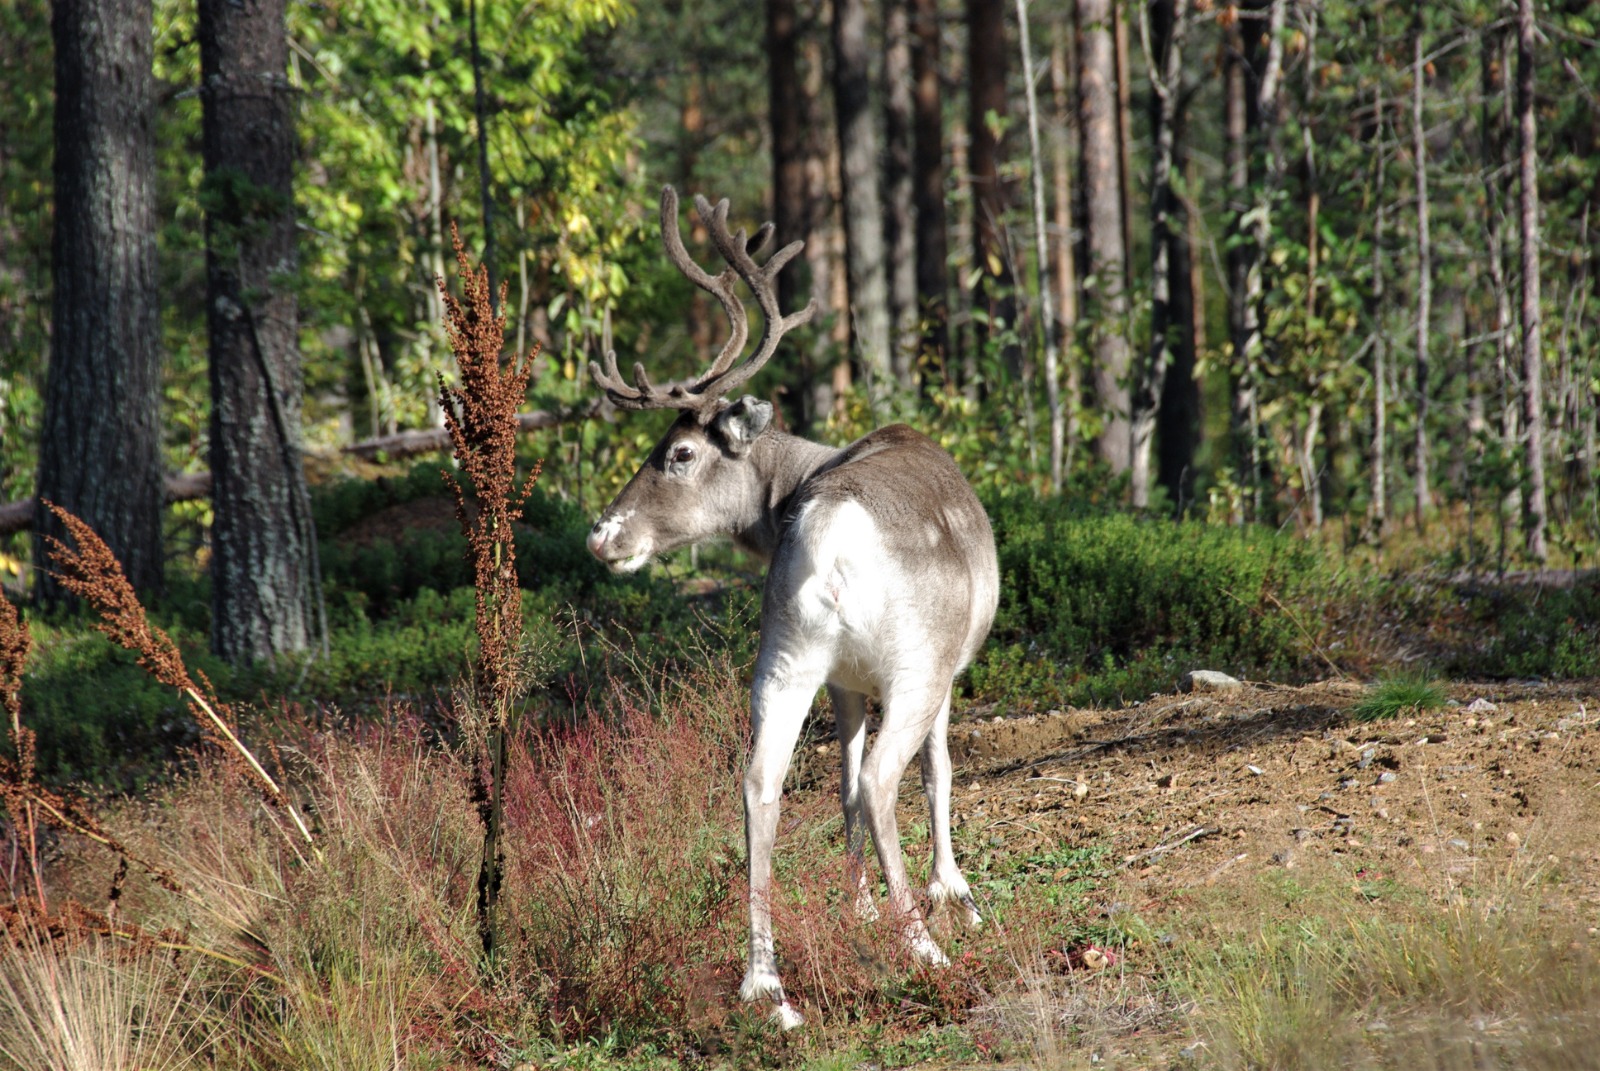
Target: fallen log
{"type": "Point", "coordinates": [176, 487]}
{"type": "Point", "coordinates": [425, 440]}
{"type": "Point", "coordinates": [186, 486]}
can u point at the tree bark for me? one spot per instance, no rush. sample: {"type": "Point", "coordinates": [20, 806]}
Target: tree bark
{"type": "Point", "coordinates": [1100, 167]}
{"type": "Point", "coordinates": [986, 79]}
{"type": "Point", "coordinates": [863, 209]}
{"type": "Point", "coordinates": [1378, 517]}
{"type": "Point", "coordinates": [1041, 247]}
{"type": "Point", "coordinates": [480, 113]}
{"type": "Point", "coordinates": [1534, 509]}
{"type": "Point", "coordinates": [899, 218]}
{"type": "Point", "coordinates": [1258, 137]}
{"type": "Point", "coordinates": [1419, 154]}
{"type": "Point", "coordinates": [1063, 269]}
{"type": "Point", "coordinates": [786, 113]}
{"type": "Point", "coordinates": [1178, 418]}
{"type": "Point", "coordinates": [824, 374]}
{"type": "Point", "coordinates": [928, 182]}
{"type": "Point", "coordinates": [263, 567]}
{"type": "Point", "coordinates": [100, 440]}
{"type": "Point", "coordinates": [1164, 45]}
{"type": "Point", "coordinates": [1119, 29]}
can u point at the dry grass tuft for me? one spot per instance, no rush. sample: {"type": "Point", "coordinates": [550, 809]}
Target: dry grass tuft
{"type": "Point", "coordinates": [96, 1005]}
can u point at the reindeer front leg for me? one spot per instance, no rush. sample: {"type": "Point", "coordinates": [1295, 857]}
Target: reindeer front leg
{"type": "Point", "coordinates": [778, 708]}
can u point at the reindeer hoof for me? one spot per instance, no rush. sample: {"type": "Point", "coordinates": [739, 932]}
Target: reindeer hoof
{"type": "Point", "coordinates": [923, 948]}
{"type": "Point", "coordinates": [786, 1017]}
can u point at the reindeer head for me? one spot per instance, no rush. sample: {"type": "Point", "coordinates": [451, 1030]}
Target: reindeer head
{"type": "Point", "coordinates": [698, 481]}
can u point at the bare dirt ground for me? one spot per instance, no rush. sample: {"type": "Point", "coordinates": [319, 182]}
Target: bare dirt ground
{"type": "Point", "coordinates": [1195, 796]}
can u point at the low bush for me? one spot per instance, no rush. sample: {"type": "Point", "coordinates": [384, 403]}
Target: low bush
{"type": "Point", "coordinates": [1094, 606]}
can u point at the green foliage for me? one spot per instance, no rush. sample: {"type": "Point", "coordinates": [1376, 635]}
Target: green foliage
{"type": "Point", "coordinates": [1538, 632]}
{"type": "Point", "coordinates": [1405, 693]}
{"type": "Point", "coordinates": [1099, 605]}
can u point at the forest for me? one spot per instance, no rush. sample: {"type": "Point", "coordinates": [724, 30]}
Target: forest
{"type": "Point", "coordinates": [1264, 331]}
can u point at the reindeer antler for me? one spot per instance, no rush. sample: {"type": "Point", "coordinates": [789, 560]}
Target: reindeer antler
{"type": "Point", "coordinates": [723, 376]}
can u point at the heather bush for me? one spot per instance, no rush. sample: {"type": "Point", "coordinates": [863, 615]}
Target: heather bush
{"type": "Point", "coordinates": [1097, 604]}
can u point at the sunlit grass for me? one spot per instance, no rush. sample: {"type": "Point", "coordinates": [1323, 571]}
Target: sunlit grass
{"type": "Point", "coordinates": [1406, 693]}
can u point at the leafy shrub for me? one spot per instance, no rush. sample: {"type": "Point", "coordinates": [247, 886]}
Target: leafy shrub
{"type": "Point", "coordinates": [1092, 599]}
{"type": "Point", "coordinates": [1543, 632]}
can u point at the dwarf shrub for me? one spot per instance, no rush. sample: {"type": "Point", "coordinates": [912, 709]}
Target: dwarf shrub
{"type": "Point", "coordinates": [1090, 598]}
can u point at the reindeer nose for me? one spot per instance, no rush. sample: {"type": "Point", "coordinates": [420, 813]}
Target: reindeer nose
{"type": "Point", "coordinates": [597, 538]}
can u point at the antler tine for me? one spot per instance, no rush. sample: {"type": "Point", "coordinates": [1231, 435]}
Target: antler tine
{"type": "Point", "coordinates": [737, 253]}
{"type": "Point", "coordinates": [721, 286]}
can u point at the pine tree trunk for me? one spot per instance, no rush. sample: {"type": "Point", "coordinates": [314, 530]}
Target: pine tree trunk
{"type": "Point", "coordinates": [1419, 155]}
{"type": "Point", "coordinates": [1534, 509]}
{"type": "Point", "coordinates": [928, 182]}
{"type": "Point", "coordinates": [899, 218]}
{"type": "Point", "coordinates": [263, 564]}
{"type": "Point", "coordinates": [100, 441]}
{"type": "Point", "coordinates": [1041, 246]}
{"type": "Point", "coordinates": [819, 363]}
{"type": "Point", "coordinates": [786, 112]}
{"type": "Point", "coordinates": [863, 208]}
{"type": "Point", "coordinates": [1244, 422]}
{"type": "Point", "coordinates": [1168, 23]}
{"type": "Point", "coordinates": [1100, 167]}
{"type": "Point", "coordinates": [1178, 419]}
{"type": "Point", "coordinates": [986, 74]}
{"type": "Point", "coordinates": [1063, 267]}
{"type": "Point", "coordinates": [1378, 510]}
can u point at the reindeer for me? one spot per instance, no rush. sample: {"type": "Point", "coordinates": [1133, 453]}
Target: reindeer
{"type": "Point", "coordinates": [882, 581]}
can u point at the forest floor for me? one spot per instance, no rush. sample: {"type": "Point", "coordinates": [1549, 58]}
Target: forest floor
{"type": "Point", "coordinates": [1216, 815]}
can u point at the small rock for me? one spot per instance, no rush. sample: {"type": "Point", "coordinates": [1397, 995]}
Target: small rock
{"type": "Point", "coordinates": [1258, 771]}
{"type": "Point", "coordinates": [1386, 777]}
{"type": "Point", "coordinates": [1481, 705]}
{"type": "Point", "coordinates": [1208, 680]}
{"type": "Point", "coordinates": [1382, 812]}
{"type": "Point", "coordinates": [1458, 844]}
{"type": "Point", "coordinates": [1080, 790]}
{"type": "Point", "coordinates": [1284, 858]}
{"type": "Point", "coordinates": [1348, 782]}
{"type": "Point", "coordinates": [1366, 758]}
{"type": "Point", "coordinates": [1514, 839]}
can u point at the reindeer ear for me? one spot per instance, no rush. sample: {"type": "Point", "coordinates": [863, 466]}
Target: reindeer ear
{"type": "Point", "coordinates": [742, 423]}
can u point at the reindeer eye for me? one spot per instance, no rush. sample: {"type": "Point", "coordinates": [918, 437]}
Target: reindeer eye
{"type": "Point", "coordinates": [681, 454]}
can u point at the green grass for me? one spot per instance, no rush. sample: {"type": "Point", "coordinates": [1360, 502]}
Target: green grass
{"type": "Point", "coordinates": [1404, 693]}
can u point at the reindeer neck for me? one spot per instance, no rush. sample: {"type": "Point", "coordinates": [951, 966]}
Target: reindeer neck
{"type": "Point", "coordinates": [780, 463]}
